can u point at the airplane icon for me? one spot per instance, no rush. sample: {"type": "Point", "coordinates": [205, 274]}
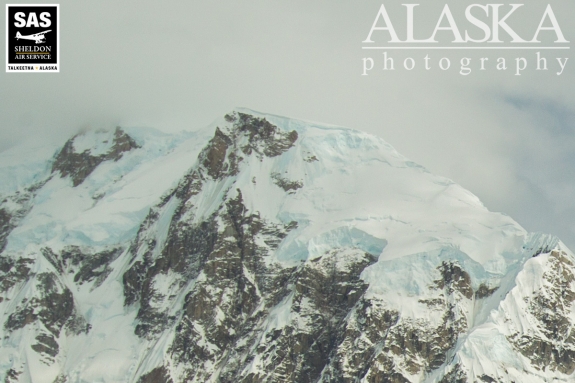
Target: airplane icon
{"type": "Point", "coordinates": [38, 37]}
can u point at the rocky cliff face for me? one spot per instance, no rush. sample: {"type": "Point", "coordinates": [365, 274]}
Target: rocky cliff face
{"type": "Point", "coordinates": [266, 249]}
{"type": "Point", "coordinates": [78, 162]}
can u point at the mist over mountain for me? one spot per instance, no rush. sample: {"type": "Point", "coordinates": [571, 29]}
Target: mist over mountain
{"type": "Point", "coordinates": [267, 249]}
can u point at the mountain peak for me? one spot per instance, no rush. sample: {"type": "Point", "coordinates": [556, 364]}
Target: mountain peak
{"type": "Point", "coordinates": [270, 250]}
{"type": "Point", "coordinates": [85, 151]}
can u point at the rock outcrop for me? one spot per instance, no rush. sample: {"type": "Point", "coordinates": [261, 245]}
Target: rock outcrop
{"type": "Point", "coordinates": [70, 162]}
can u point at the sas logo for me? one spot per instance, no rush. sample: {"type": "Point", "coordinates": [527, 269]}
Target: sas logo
{"type": "Point", "coordinates": [32, 38]}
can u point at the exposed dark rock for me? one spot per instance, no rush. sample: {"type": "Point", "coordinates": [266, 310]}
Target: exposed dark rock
{"type": "Point", "coordinates": [235, 279]}
{"type": "Point", "coordinates": [133, 280]}
{"type": "Point", "coordinates": [311, 159]}
{"type": "Point", "coordinates": [485, 291]}
{"type": "Point", "coordinates": [5, 228]}
{"type": "Point", "coordinates": [12, 210]}
{"type": "Point", "coordinates": [456, 375]}
{"type": "Point", "coordinates": [214, 155]}
{"type": "Point", "coordinates": [77, 324]}
{"type": "Point", "coordinates": [234, 288]}
{"type": "Point", "coordinates": [285, 183]}
{"type": "Point", "coordinates": [231, 117]}
{"type": "Point", "coordinates": [402, 347]}
{"type": "Point", "coordinates": [150, 219]}
{"type": "Point", "coordinates": [487, 379]}
{"type": "Point", "coordinates": [381, 346]}
{"type": "Point", "coordinates": [13, 271]}
{"type": "Point", "coordinates": [264, 137]}
{"type": "Point", "coordinates": [76, 165]}
{"type": "Point", "coordinates": [86, 266]}
{"type": "Point", "coordinates": [552, 307]}
{"type": "Point", "coordinates": [80, 165]}
{"type": "Point", "coordinates": [61, 379]}
{"type": "Point", "coordinates": [185, 253]}
{"type": "Point", "coordinates": [94, 267]}
{"type": "Point", "coordinates": [190, 185]}
{"type": "Point", "coordinates": [418, 346]}
{"type": "Point", "coordinates": [12, 376]}
{"type": "Point", "coordinates": [454, 278]}
{"type": "Point", "coordinates": [157, 375]}
{"type": "Point", "coordinates": [21, 317]}
{"type": "Point", "coordinates": [432, 303]}
{"type": "Point", "coordinates": [191, 248]}
{"type": "Point", "coordinates": [221, 157]}
{"type": "Point", "coordinates": [46, 345]}
{"type": "Point", "coordinates": [54, 306]}
{"type": "Point", "coordinates": [364, 334]}
{"type": "Point", "coordinates": [122, 143]}
{"type": "Point", "coordinates": [203, 272]}
{"type": "Point", "coordinates": [221, 269]}
{"type": "Point", "coordinates": [56, 302]}
{"type": "Point", "coordinates": [541, 250]}
{"type": "Point", "coordinates": [325, 290]}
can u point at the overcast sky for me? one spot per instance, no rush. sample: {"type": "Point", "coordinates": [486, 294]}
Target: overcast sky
{"type": "Point", "coordinates": [178, 65]}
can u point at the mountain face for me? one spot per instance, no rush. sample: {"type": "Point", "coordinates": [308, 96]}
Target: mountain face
{"type": "Point", "coordinates": [265, 249]}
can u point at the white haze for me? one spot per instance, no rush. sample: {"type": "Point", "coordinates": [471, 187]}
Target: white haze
{"type": "Point", "coordinates": [178, 65]}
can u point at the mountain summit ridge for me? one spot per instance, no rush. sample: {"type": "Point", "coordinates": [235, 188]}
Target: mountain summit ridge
{"type": "Point", "coordinates": [268, 249]}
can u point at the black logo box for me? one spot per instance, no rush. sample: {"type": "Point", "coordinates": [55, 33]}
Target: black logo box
{"type": "Point", "coordinates": [16, 15]}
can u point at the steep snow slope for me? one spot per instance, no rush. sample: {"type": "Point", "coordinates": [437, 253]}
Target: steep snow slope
{"type": "Point", "coordinates": [267, 249]}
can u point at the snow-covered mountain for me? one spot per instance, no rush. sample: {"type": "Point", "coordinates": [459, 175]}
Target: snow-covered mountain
{"type": "Point", "coordinates": [267, 249]}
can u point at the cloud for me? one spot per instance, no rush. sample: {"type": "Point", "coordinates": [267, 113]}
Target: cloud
{"type": "Point", "coordinates": [180, 64]}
